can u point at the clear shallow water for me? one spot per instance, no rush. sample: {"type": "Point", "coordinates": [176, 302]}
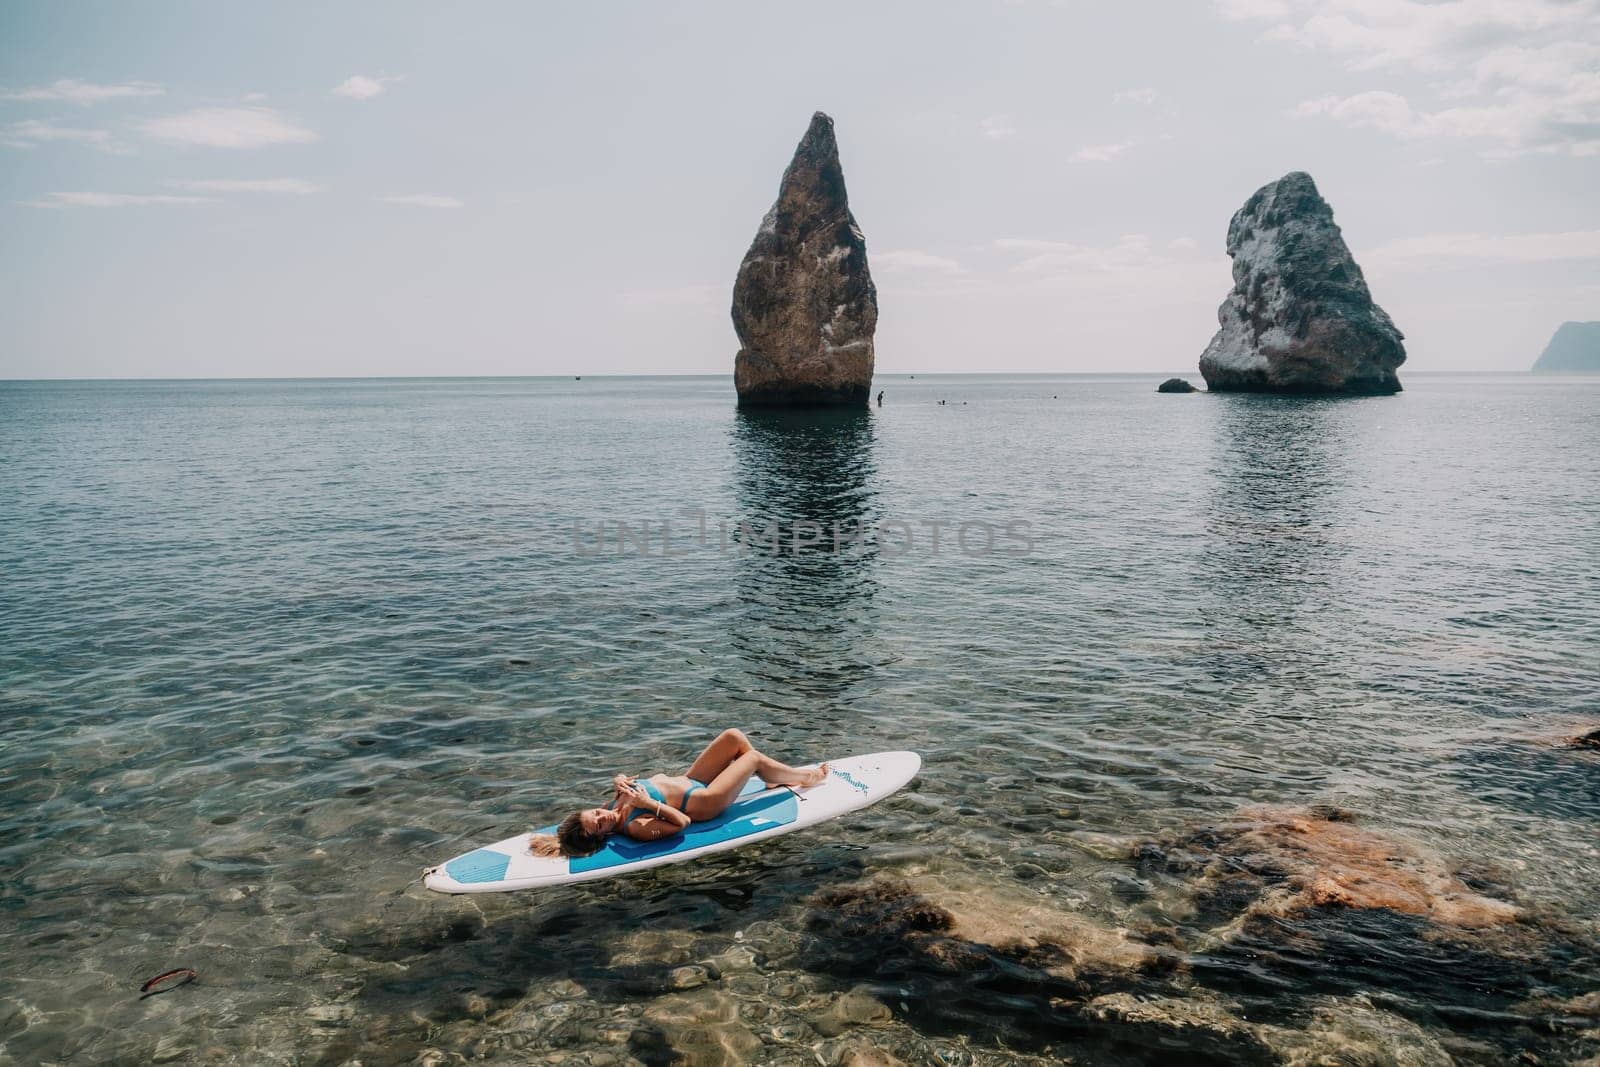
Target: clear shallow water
{"type": "Point", "coordinates": [271, 647]}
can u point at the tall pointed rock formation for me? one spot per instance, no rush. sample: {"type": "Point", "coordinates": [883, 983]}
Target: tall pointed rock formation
{"type": "Point", "coordinates": [1300, 318]}
{"type": "Point", "coordinates": [804, 305]}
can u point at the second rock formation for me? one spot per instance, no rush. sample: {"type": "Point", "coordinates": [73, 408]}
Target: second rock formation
{"type": "Point", "coordinates": [1300, 318]}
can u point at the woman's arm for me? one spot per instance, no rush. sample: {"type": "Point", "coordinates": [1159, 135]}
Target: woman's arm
{"type": "Point", "coordinates": [658, 820]}
{"type": "Point", "coordinates": [650, 828]}
{"type": "Point", "coordinates": [622, 788]}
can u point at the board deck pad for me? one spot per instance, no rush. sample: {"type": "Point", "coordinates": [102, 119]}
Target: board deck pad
{"type": "Point", "coordinates": [759, 813]}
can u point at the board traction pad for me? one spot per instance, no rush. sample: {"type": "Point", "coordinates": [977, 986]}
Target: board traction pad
{"type": "Point", "coordinates": [484, 865]}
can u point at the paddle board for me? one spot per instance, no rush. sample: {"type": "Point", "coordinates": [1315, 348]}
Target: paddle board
{"type": "Point", "coordinates": [758, 814]}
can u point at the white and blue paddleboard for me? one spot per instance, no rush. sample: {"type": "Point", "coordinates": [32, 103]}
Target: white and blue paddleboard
{"type": "Point", "coordinates": [758, 814]}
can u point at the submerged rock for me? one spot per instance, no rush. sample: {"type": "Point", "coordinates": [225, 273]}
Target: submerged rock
{"type": "Point", "coordinates": [1194, 1019]}
{"type": "Point", "coordinates": [1283, 862]}
{"type": "Point", "coordinates": [1015, 966]}
{"type": "Point", "coordinates": [804, 305]}
{"type": "Point", "coordinates": [1350, 1030]}
{"type": "Point", "coordinates": [863, 1054]}
{"type": "Point", "coordinates": [1300, 318]}
{"type": "Point", "coordinates": [1295, 902]}
{"type": "Point", "coordinates": [1575, 349]}
{"type": "Point", "coordinates": [1339, 945]}
{"type": "Point", "coordinates": [1175, 385]}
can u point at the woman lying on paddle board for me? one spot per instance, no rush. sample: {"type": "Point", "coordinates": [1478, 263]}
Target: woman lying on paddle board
{"type": "Point", "coordinates": [663, 804]}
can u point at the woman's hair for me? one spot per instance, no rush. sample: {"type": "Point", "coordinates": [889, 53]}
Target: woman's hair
{"type": "Point", "coordinates": [570, 839]}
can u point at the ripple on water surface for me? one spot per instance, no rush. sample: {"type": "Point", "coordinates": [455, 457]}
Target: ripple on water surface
{"type": "Point", "coordinates": [272, 647]}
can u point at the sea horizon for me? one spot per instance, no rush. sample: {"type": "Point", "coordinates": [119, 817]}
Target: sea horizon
{"type": "Point", "coordinates": [886, 375]}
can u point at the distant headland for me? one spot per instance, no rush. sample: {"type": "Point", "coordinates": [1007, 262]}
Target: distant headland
{"type": "Point", "coordinates": [1575, 349]}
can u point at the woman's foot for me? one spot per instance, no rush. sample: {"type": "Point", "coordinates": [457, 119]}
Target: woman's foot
{"type": "Point", "coordinates": [774, 773]}
{"type": "Point", "coordinates": [813, 776]}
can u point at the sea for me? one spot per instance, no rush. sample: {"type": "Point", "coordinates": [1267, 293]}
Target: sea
{"type": "Point", "coordinates": [1192, 677]}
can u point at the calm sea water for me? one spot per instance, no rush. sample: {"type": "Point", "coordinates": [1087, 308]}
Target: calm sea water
{"type": "Point", "coordinates": [271, 647]}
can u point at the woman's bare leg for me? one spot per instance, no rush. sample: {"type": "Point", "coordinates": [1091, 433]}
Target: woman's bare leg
{"type": "Point", "coordinates": [729, 746]}
{"type": "Point", "coordinates": [720, 793]}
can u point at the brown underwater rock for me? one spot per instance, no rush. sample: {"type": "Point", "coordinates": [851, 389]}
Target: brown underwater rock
{"type": "Point", "coordinates": [1281, 862]}
{"type": "Point", "coordinates": [1588, 740]}
{"type": "Point", "coordinates": [1324, 913]}
{"type": "Point", "coordinates": [1037, 973]}
{"type": "Point", "coordinates": [1193, 1019]}
{"type": "Point", "coordinates": [958, 929]}
{"type": "Point", "coordinates": [804, 305]}
{"type": "Point", "coordinates": [1300, 318]}
{"type": "Point", "coordinates": [1351, 1032]}
{"type": "Point", "coordinates": [1064, 943]}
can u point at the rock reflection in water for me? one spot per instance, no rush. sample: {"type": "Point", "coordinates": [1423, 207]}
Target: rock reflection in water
{"type": "Point", "coordinates": [1270, 525]}
{"type": "Point", "coordinates": [807, 624]}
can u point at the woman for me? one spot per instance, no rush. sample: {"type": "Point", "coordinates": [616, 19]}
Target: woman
{"type": "Point", "coordinates": [663, 804]}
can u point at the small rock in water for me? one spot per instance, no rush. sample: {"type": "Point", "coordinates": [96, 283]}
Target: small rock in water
{"type": "Point", "coordinates": [735, 960]}
{"type": "Point", "coordinates": [690, 977]}
{"type": "Point", "coordinates": [331, 1014]}
{"type": "Point", "coordinates": [850, 1009]}
{"type": "Point", "coordinates": [867, 1055]}
{"type": "Point", "coordinates": [1588, 740]}
{"type": "Point", "coordinates": [1175, 385]}
{"type": "Point", "coordinates": [1129, 889]}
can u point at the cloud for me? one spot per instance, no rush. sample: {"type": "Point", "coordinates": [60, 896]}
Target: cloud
{"type": "Point", "coordinates": [361, 87]}
{"type": "Point", "coordinates": [1421, 34]}
{"type": "Point", "coordinates": [997, 127]}
{"type": "Point", "coordinates": [1131, 270]}
{"type": "Point", "coordinates": [1253, 9]}
{"type": "Point", "coordinates": [33, 132]}
{"type": "Point", "coordinates": [1143, 97]}
{"type": "Point", "coordinates": [1101, 153]}
{"type": "Point", "coordinates": [1376, 109]}
{"type": "Point", "coordinates": [112, 200]}
{"type": "Point", "coordinates": [911, 260]}
{"type": "Point", "coordinates": [1053, 256]}
{"type": "Point", "coordinates": [1514, 124]}
{"type": "Point", "coordinates": [227, 127]}
{"type": "Point", "coordinates": [1131, 260]}
{"type": "Point", "coordinates": [422, 200]}
{"type": "Point", "coordinates": [704, 295]}
{"type": "Point", "coordinates": [288, 186]}
{"type": "Point", "coordinates": [1517, 76]}
{"type": "Point", "coordinates": [72, 91]}
{"type": "Point", "coordinates": [1466, 249]}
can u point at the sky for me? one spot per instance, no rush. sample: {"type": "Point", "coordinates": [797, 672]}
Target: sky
{"type": "Point", "coordinates": [221, 189]}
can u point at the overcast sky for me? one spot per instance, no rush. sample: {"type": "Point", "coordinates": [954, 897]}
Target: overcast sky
{"type": "Point", "coordinates": [229, 189]}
